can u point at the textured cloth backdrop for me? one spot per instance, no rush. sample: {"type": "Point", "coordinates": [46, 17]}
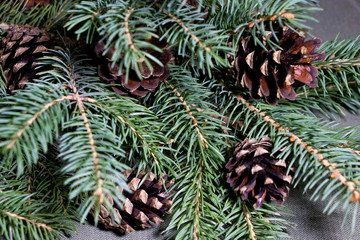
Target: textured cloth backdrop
{"type": "Point", "coordinates": [339, 16]}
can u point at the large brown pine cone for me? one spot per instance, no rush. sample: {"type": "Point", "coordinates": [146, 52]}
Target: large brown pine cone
{"type": "Point", "coordinates": [20, 47]}
{"type": "Point", "coordinates": [147, 202]}
{"type": "Point", "coordinates": [273, 73]}
{"type": "Point", "coordinates": [134, 87]}
{"type": "Point", "coordinates": [255, 174]}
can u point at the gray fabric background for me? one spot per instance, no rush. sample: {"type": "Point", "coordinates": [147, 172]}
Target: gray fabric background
{"type": "Point", "coordinates": [339, 16]}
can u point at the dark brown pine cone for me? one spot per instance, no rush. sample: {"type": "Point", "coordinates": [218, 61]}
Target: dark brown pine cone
{"type": "Point", "coordinates": [134, 87]}
{"type": "Point", "coordinates": [31, 3]}
{"type": "Point", "coordinates": [255, 174]}
{"type": "Point", "coordinates": [147, 203]}
{"type": "Point", "coordinates": [273, 74]}
{"type": "Point", "coordinates": [20, 47]}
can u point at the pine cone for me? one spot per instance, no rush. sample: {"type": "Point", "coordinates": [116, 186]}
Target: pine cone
{"type": "Point", "coordinates": [31, 3]}
{"type": "Point", "coordinates": [20, 47]}
{"type": "Point", "coordinates": [147, 203]}
{"type": "Point", "coordinates": [257, 175]}
{"type": "Point", "coordinates": [134, 87]}
{"type": "Point", "coordinates": [274, 73]}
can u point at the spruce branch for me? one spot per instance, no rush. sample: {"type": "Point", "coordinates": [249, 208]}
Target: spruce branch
{"type": "Point", "coordinates": [306, 93]}
{"type": "Point", "coordinates": [127, 30]}
{"type": "Point", "coordinates": [39, 16]}
{"type": "Point", "coordinates": [35, 116]}
{"type": "Point", "coordinates": [197, 145]}
{"type": "Point", "coordinates": [340, 67]}
{"type": "Point", "coordinates": [99, 191]}
{"type": "Point", "coordinates": [249, 222]}
{"type": "Point", "coordinates": [38, 224]}
{"type": "Point", "coordinates": [239, 220]}
{"type": "Point", "coordinates": [201, 43]}
{"type": "Point", "coordinates": [43, 218]}
{"type": "Point", "coordinates": [200, 171]}
{"type": "Point", "coordinates": [86, 17]}
{"type": "Point", "coordinates": [60, 13]}
{"type": "Point", "coordinates": [311, 150]}
{"type": "Point", "coordinates": [275, 17]}
{"type": "Point", "coordinates": [338, 63]}
{"type": "Point", "coordinates": [80, 148]}
{"type": "Point", "coordinates": [187, 107]}
{"type": "Point", "coordinates": [252, 16]}
{"type": "Point", "coordinates": [20, 142]}
{"type": "Point", "coordinates": [129, 125]}
{"type": "Point", "coordinates": [187, 30]}
{"type": "Point", "coordinates": [55, 182]}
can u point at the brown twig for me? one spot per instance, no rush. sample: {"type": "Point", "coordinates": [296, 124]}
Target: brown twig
{"type": "Point", "coordinates": [187, 107]}
{"type": "Point", "coordinates": [204, 143]}
{"type": "Point", "coordinates": [197, 201]}
{"type": "Point", "coordinates": [36, 115]}
{"type": "Point", "coordinates": [251, 24]}
{"type": "Point", "coordinates": [357, 152]}
{"type": "Point", "coordinates": [340, 63]}
{"type": "Point", "coordinates": [250, 225]}
{"type": "Point", "coordinates": [79, 102]}
{"type": "Point", "coordinates": [313, 151]}
{"type": "Point", "coordinates": [127, 29]}
{"type": "Point", "coordinates": [43, 225]}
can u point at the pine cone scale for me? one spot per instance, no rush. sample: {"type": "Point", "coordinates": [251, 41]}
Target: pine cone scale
{"type": "Point", "coordinates": [151, 84]}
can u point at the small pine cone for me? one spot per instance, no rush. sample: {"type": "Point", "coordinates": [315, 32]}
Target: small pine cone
{"type": "Point", "coordinates": [134, 87]}
{"type": "Point", "coordinates": [146, 203]}
{"type": "Point", "coordinates": [20, 47]}
{"type": "Point", "coordinates": [255, 174]}
{"type": "Point", "coordinates": [273, 73]}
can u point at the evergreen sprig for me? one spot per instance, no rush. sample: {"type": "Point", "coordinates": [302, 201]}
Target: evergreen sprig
{"type": "Point", "coordinates": [341, 67]}
{"type": "Point", "coordinates": [196, 139]}
{"type": "Point", "coordinates": [203, 44]}
{"type": "Point", "coordinates": [29, 210]}
{"type": "Point", "coordinates": [66, 138]}
{"type": "Point", "coordinates": [46, 17]}
{"type": "Point", "coordinates": [310, 146]}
